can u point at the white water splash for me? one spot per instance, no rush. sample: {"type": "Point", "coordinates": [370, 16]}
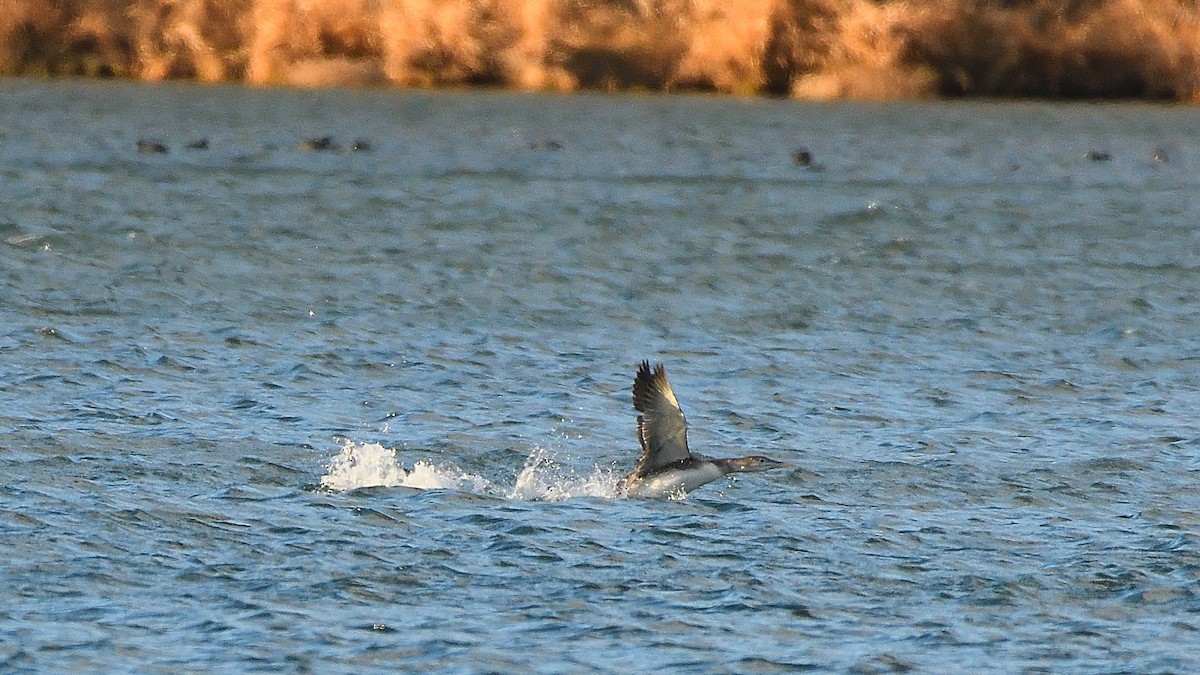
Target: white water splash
{"type": "Point", "coordinates": [545, 479]}
{"type": "Point", "coordinates": [362, 465]}
{"type": "Point", "coordinates": [372, 465]}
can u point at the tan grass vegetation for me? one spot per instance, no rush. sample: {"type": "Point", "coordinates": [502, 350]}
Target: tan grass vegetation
{"type": "Point", "coordinates": [866, 49]}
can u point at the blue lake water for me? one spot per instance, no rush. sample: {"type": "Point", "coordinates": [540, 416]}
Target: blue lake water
{"type": "Point", "coordinates": [267, 408]}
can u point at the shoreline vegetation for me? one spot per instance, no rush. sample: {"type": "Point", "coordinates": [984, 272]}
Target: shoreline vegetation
{"type": "Point", "coordinates": [813, 49]}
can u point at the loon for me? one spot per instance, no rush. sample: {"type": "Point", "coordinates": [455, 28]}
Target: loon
{"type": "Point", "coordinates": [667, 468]}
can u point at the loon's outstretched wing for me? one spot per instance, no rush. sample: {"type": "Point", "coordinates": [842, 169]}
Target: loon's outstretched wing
{"type": "Point", "coordinates": [662, 430]}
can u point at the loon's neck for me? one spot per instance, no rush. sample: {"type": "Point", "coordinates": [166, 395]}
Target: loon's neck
{"type": "Point", "coordinates": [736, 464]}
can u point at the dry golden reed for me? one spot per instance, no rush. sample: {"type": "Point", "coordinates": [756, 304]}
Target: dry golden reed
{"type": "Point", "coordinates": [865, 49]}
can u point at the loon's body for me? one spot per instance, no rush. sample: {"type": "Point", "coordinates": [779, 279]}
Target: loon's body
{"type": "Point", "coordinates": [667, 468]}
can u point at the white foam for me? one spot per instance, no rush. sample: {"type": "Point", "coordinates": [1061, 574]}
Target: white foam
{"type": "Point", "coordinates": [362, 465]}
{"type": "Point", "coordinates": [545, 479]}
{"type": "Point", "coordinates": [372, 465]}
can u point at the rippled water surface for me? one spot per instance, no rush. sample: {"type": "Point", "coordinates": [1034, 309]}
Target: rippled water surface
{"type": "Point", "coordinates": [267, 408]}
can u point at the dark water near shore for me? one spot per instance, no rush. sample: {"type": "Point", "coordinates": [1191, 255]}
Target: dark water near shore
{"type": "Point", "coordinates": [273, 409]}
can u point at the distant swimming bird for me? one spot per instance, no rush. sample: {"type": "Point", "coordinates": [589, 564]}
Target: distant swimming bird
{"type": "Point", "coordinates": [151, 147]}
{"type": "Point", "coordinates": [320, 144]}
{"type": "Point", "coordinates": [667, 468]}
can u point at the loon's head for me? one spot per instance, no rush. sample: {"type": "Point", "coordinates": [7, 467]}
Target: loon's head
{"type": "Point", "coordinates": [751, 463]}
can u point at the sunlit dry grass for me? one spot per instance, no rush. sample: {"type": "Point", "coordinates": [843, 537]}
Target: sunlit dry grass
{"type": "Point", "coordinates": [726, 42]}
{"type": "Point", "coordinates": [284, 33]}
{"type": "Point", "coordinates": [458, 42]}
{"type": "Point", "coordinates": [865, 56]}
{"type": "Point", "coordinates": [70, 37]}
{"type": "Point", "coordinates": [1101, 48]}
{"type": "Point", "coordinates": [869, 49]}
{"type": "Point", "coordinates": [199, 39]}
